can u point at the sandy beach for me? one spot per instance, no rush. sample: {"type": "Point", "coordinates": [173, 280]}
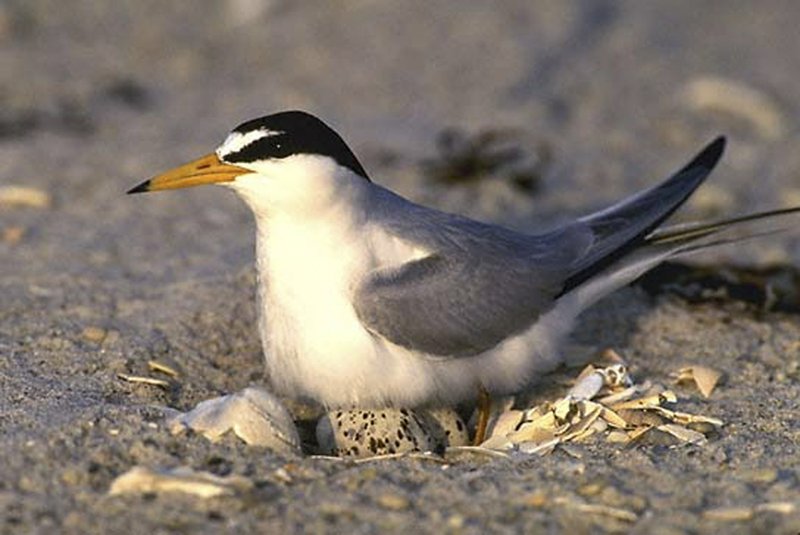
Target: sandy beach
{"type": "Point", "coordinates": [600, 98]}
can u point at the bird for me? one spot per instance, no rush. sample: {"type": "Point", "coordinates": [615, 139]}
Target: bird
{"type": "Point", "coordinates": [369, 300]}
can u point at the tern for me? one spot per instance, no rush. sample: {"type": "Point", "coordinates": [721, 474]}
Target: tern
{"type": "Point", "coordinates": [368, 300]}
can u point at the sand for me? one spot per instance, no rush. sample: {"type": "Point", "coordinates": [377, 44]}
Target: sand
{"type": "Point", "coordinates": [603, 97]}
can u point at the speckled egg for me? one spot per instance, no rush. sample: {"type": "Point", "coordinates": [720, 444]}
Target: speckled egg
{"type": "Point", "coordinates": [366, 433]}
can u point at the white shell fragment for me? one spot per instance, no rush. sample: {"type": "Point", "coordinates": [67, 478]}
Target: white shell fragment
{"type": "Point", "coordinates": [24, 196]}
{"type": "Point", "coordinates": [254, 415]}
{"type": "Point", "coordinates": [141, 480]}
{"type": "Point", "coordinates": [368, 433]}
{"type": "Point", "coordinates": [704, 378]}
{"type": "Point", "coordinates": [592, 380]}
{"type": "Point", "coordinates": [684, 434]}
{"type": "Point", "coordinates": [588, 387]}
{"type": "Point", "coordinates": [624, 413]}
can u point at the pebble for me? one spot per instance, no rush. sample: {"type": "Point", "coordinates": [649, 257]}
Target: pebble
{"type": "Point", "coordinates": [393, 501]}
{"type": "Point", "coordinates": [94, 334]}
{"type": "Point", "coordinates": [729, 514]}
{"type": "Point", "coordinates": [759, 475]}
{"type": "Point", "coordinates": [13, 235]}
{"type": "Point", "coordinates": [24, 196]}
{"type": "Point", "coordinates": [536, 499]}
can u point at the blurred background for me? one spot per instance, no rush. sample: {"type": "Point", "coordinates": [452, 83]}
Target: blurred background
{"type": "Point", "coordinates": [521, 112]}
{"type": "Point", "coordinates": [525, 113]}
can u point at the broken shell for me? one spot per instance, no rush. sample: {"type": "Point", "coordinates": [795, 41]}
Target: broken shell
{"type": "Point", "coordinates": [506, 423]}
{"type": "Point", "coordinates": [636, 418]}
{"type": "Point", "coordinates": [647, 402]}
{"type": "Point", "coordinates": [626, 394]}
{"type": "Point", "coordinates": [612, 418]}
{"type": "Point", "coordinates": [592, 380]}
{"type": "Point", "coordinates": [533, 432]}
{"type": "Point", "coordinates": [583, 425]}
{"type": "Point", "coordinates": [143, 480]}
{"type": "Point", "coordinates": [143, 380]}
{"type": "Point", "coordinates": [588, 386]}
{"type": "Point", "coordinates": [254, 415]}
{"type": "Point", "coordinates": [616, 376]}
{"type": "Point", "coordinates": [682, 433]}
{"type": "Point", "coordinates": [705, 378]}
{"type": "Point", "coordinates": [624, 416]}
{"type": "Point", "coordinates": [539, 448]}
{"type": "Point", "coordinates": [618, 437]}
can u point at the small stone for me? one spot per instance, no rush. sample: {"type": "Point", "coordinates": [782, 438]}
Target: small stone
{"type": "Point", "coordinates": [94, 334]}
{"type": "Point", "coordinates": [536, 499]}
{"type": "Point", "coordinates": [591, 489]}
{"type": "Point", "coordinates": [24, 196]}
{"type": "Point", "coordinates": [393, 502]}
{"type": "Point", "coordinates": [72, 476]}
{"type": "Point", "coordinates": [27, 484]}
{"type": "Point", "coordinates": [613, 497]}
{"type": "Point", "coordinates": [13, 235]}
{"type": "Point", "coordinates": [783, 508]}
{"type": "Point", "coordinates": [73, 521]}
{"type": "Point", "coordinates": [455, 521]}
{"type": "Point", "coordinates": [729, 514]}
{"type": "Point", "coordinates": [763, 475]}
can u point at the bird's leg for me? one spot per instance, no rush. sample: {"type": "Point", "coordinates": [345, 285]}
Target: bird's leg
{"type": "Point", "coordinates": [484, 407]}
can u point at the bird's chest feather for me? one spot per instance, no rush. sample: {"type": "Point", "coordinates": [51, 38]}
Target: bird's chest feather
{"type": "Point", "coordinates": [307, 271]}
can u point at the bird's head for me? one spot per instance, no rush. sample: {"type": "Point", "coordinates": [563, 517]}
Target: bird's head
{"type": "Point", "coordinates": [288, 157]}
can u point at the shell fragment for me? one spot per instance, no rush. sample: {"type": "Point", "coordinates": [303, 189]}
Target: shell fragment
{"type": "Point", "coordinates": [625, 413]}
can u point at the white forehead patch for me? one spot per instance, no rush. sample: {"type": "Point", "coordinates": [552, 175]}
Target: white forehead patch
{"type": "Point", "coordinates": [236, 141]}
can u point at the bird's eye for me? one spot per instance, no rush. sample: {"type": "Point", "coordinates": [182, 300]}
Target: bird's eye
{"type": "Point", "coordinates": [279, 149]}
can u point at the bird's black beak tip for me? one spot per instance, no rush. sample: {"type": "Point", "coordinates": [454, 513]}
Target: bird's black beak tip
{"type": "Point", "coordinates": [141, 188]}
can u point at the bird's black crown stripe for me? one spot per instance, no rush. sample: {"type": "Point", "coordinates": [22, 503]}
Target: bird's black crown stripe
{"type": "Point", "coordinates": [296, 132]}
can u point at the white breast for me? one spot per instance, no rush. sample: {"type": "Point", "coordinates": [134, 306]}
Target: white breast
{"type": "Point", "coordinates": [314, 343]}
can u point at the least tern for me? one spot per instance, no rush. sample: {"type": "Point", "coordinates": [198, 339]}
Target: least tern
{"type": "Point", "coordinates": [369, 300]}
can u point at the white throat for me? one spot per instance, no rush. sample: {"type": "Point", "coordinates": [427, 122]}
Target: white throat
{"type": "Point", "coordinates": [309, 251]}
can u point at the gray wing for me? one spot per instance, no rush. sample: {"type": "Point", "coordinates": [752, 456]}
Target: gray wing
{"type": "Point", "coordinates": [467, 298]}
{"type": "Point", "coordinates": [484, 283]}
{"type": "Point", "coordinates": [624, 226]}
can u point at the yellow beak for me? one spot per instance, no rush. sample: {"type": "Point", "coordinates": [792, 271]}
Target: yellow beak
{"type": "Point", "coordinates": [206, 170]}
